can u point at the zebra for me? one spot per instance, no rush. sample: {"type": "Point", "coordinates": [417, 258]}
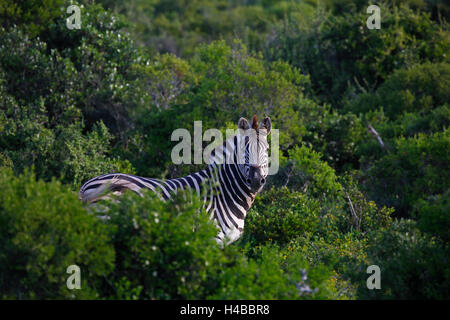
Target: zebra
{"type": "Point", "coordinates": [236, 173]}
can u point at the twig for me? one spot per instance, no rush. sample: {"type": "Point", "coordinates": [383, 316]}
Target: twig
{"type": "Point", "coordinates": [377, 136]}
{"type": "Point", "coordinates": [288, 175]}
{"type": "Point", "coordinates": [352, 210]}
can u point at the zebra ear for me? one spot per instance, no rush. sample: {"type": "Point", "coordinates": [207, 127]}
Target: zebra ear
{"type": "Point", "coordinates": [243, 124]}
{"type": "Point", "coordinates": [266, 124]}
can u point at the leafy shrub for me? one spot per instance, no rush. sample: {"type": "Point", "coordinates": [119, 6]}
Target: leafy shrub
{"type": "Point", "coordinates": [81, 157]}
{"type": "Point", "coordinates": [313, 185]}
{"type": "Point", "coordinates": [41, 82]}
{"type": "Point", "coordinates": [180, 27]}
{"type": "Point", "coordinates": [34, 15]}
{"type": "Point", "coordinates": [43, 230]}
{"type": "Point", "coordinates": [40, 119]}
{"type": "Point", "coordinates": [314, 176]}
{"type": "Point", "coordinates": [233, 82]}
{"type": "Point", "coordinates": [409, 102]}
{"type": "Point", "coordinates": [324, 234]}
{"type": "Point", "coordinates": [359, 214]}
{"type": "Point", "coordinates": [340, 53]}
{"type": "Point", "coordinates": [166, 250]}
{"type": "Point", "coordinates": [270, 220]}
{"type": "Point", "coordinates": [74, 73]}
{"type": "Point", "coordinates": [338, 137]}
{"type": "Point", "coordinates": [102, 56]}
{"type": "Point", "coordinates": [413, 265]}
{"type": "Point", "coordinates": [432, 215]}
{"type": "Point", "coordinates": [274, 274]}
{"type": "Point", "coordinates": [147, 249]}
{"type": "Point", "coordinates": [165, 80]}
{"type": "Point", "coordinates": [417, 169]}
{"type": "Point", "coordinates": [339, 252]}
{"type": "Point", "coordinates": [419, 90]}
{"type": "Point", "coordinates": [62, 151]}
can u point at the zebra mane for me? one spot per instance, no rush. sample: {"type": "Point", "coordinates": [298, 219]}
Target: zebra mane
{"type": "Point", "coordinates": [225, 152]}
{"type": "Point", "coordinates": [232, 150]}
{"type": "Point", "coordinates": [255, 122]}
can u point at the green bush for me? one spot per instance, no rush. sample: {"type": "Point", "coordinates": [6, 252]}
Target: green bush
{"type": "Point", "coordinates": [330, 234]}
{"type": "Point", "coordinates": [275, 274]}
{"type": "Point", "coordinates": [340, 253]}
{"type": "Point", "coordinates": [101, 56]}
{"type": "Point", "coordinates": [73, 74]}
{"type": "Point", "coordinates": [179, 27]}
{"type": "Point", "coordinates": [413, 265]}
{"type": "Point", "coordinates": [418, 90]}
{"type": "Point", "coordinates": [80, 157]}
{"type": "Point", "coordinates": [146, 249]}
{"type": "Point", "coordinates": [313, 175]}
{"type": "Point", "coordinates": [43, 230]}
{"type": "Point", "coordinates": [34, 15]}
{"type": "Point", "coordinates": [233, 82]}
{"type": "Point", "coordinates": [338, 137]}
{"type": "Point", "coordinates": [359, 214]}
{"type": "Point", "coordinates": [341, 53]}
{"type": "Point", "coordinates": [271, 221]}
{"type": "Point", "coordinates": [304, 171]}
{"type": "Point", "coordinates": [432, 215]}
{"type": "Point", "coordinates": [164, 250]}
{"type": "Point", "coordinates": [62, 151]}
{"type": "Point", "coordinates": [416, 169]}
{"type": "Point", "coordinates": [409, 102]}
{"type": "Point", "coordinates": [42, 118]}
{"type": "Point", "coordinates": [314, 200]}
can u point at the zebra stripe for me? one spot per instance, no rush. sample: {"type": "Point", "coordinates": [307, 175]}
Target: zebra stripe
{"type": "Point", "coordinates": [227, 195]}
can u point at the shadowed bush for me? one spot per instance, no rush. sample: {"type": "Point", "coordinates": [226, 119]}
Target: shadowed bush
{"type": "Point", "coordinates": [43, 230]}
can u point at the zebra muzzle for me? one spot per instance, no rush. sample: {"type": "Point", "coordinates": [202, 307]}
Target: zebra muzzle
{"type": "Point", "coordinates": [255, 179]}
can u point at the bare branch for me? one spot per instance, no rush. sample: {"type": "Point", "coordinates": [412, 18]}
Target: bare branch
{"type": "Point", "coordinates": [353, 212]}
{"type": "Point", "coordinates": [376, 135]}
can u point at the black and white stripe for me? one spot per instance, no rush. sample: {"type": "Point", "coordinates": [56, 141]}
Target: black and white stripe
{"type": "Point", "coordinates": [226, 187]}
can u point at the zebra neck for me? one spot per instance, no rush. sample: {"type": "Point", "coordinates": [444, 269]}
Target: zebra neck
{"type": "Point", "coordinates": [226, 197]}
{"type": "Point", "coordinates": [221, 187]}
{"type": "Point", "coordinates": [230, 189]}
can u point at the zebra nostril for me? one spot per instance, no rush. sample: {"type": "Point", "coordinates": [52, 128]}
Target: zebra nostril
{"type": "Point", "coordinates": [263, 181]}
{"type": "Point", "coordinates": [249, 181]}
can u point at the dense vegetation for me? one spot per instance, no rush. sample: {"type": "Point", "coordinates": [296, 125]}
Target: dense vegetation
{"type": "Point", "coordinates": [364, 137]}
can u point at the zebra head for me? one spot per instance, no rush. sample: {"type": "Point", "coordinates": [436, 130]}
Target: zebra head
{"type": "Point", "coordinates": [253, 151]}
